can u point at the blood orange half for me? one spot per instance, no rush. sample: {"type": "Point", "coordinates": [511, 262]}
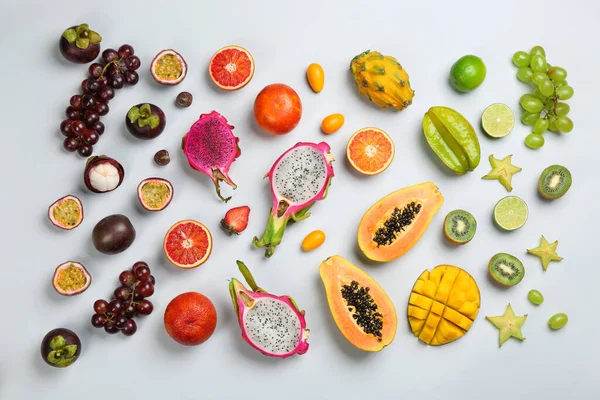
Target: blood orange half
{"type": "Point", "coordinates": [370, 151]}
{"type": "Point", "coordinates": [231, 67]}
{"type": "Point", "coordinates": [188, 244]}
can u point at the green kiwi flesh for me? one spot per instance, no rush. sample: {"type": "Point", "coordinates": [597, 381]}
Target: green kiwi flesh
{"type": "Point", "coordinates": [554, 182]}
{"type": "Point", "coordinates": [505, 269]}
{"type": "Point", "coordinates": [459, 227]}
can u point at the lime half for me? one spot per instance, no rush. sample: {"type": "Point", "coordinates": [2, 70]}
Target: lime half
{"type": "Point", "coordinates": [510, 213]}
{"type": "Point", "coordinates": [498, 120]}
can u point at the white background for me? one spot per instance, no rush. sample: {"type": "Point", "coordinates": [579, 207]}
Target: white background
{"type": "Point", "coordinates": [284, 37]}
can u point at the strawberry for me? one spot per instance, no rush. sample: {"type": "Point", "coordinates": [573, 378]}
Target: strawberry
{"type": "Point", "coordinates": [236, 220]}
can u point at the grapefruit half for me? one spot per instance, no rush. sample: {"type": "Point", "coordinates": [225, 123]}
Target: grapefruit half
{"type": "Point", "coordinates": [188, 244]}
{"type": "Point", "coordinates": [231, 67]}
{"type": "Point", "coordinates": [370, 151]}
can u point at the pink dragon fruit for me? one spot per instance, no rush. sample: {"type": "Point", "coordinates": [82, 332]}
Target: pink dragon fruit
{"type": "Point", "coordinates": [271, 324]}
{"type": "Point", "coordinates": [211, 148]}
{"type": "Point", "coordinates": [299, 177]}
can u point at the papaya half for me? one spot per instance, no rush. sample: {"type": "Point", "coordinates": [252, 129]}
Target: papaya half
{"type": "Point", "coordinates": [394, 224]}
{"type": "Point", "coordinates": [360, 307]}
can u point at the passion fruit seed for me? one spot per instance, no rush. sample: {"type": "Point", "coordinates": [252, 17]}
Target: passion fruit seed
{"type": "Point", "coordinates": [396, 223]}
{"type": "Point", "coordinates": [71, 278]}
{"type": "Point", "coordinates": [184, 99]}
{"type": "Point", "coordinates": [162, 158]}
{"type": "Point", "coordinates": [67, 213]}
{"type": "Point", "coordinates": [363, 308]}
{"type": "Point", "coordinates": [168, 67]}
{"type": "Point", "coordinates": [154, 194]}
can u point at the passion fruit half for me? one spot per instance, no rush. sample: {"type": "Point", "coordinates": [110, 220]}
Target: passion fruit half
{"type": "Point", "coordinates": [66, 212]}
{"type": "Point", "coordinates": [168, 67]}
{"type": "Point", "coordinates": [71, 278]}
{"type": "Point", "coordinates": [60, 347]}
{"type": "Point", "coordinates": [103, 174]}
{"type": "Point", "coordinates": [145, 121]}
{"type": "Point", "coordinates": [155, 194]}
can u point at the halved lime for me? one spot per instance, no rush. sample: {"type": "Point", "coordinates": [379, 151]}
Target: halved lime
{"type": "Point", "coordinates": [497, 120]}
{"type": "Point", "coordinates": [510, 213]}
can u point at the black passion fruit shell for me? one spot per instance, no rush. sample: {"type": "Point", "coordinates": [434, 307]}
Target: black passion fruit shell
{"type": "Point", "coordinates": [155, 194]}
{"type": "Point", "coordinates": [145, 121]}
{"type": "Point", "coordinates": [113, 234]}
{"type": "Point", "coordinates": [79, 44]}
{"type": "Point", "coordinates": [66, 212]}
{"type": "Point", "coordinates": [71, 278]}
{"type": "Point", "coordinates": [168, 67]}
{"type": "Point", "coordinates": [103, 174]}
{"type": "Point", "coordinates": [60, 347]}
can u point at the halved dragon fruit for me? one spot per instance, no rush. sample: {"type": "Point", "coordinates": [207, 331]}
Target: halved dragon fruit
{"type": "Point", "coordinates": [273, 325]}
{"type": "Point", "coordinates": [211, 148]}
{"type": "Point", "coordinates": [299, 177]}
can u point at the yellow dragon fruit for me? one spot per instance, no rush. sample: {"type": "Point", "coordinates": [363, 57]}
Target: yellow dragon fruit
{"type": "Point", "coordinates": [382, 80]}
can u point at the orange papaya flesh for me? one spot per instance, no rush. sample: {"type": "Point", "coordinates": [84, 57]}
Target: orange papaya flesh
{"type": "Point", "coordinates": [394, 224]}
{"type": "Point", "coordinates": [361, 309]}
{"type": "Point", "coordinates": [443, 305]}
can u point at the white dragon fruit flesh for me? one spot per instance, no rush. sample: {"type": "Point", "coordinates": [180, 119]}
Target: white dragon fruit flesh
{"type": "Point", "coordinates": [211, 148]}
{"type": "Point", "coordinates": [271, 324]}
{"type": "Point", "coordinates": [299, 177]}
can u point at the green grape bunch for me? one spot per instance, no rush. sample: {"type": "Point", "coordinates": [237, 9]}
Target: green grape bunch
{"type": "Point", "coordinates": [544, 109]}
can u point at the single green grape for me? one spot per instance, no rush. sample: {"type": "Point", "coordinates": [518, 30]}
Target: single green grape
{"type": "Point", "coordinates": [548, 104]}
{"type": "Point", "coordinates": [532, 104]}
{"type": "Point", "coordinates": [537, 50]}
{"type": "Point", "coordinates": [528, 118]}
{"type": "Point", "coordinates": [552, 126]}
{"type": "Point", "coordinates": [521, 59]}
{"type": "Point", "coordinates": [546, 88]}
{"type": "Point", "coordinates": [562, 109]}
{"type": "Point", "coordinates": [557, 74]}
{"type": "Point", "coordinates": [564, 124]}
{"type": "Point", "coordinates": [561, 84]}
{"type": "Point", "coordinates": [538, 63]}
{"type": "Point", "coordinates": [534, 141]}
{"type": "Point", "coordinates": [524, 74]}
{"type": "Point", "coordinates": [535, 296]}
{"type": "Point", "coordinates": [538, 77]}
{"type": "Point", "coordinates": [541, 126]}
{"type": "Point", "coordinates": [559, 320]}
{"type": "Point", "coordinates": [565, 92]}
{"type": "Point", "coordinates": [537, 94]}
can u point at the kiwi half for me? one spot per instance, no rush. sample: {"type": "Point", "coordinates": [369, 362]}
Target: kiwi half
{"type": "Point", "coordinates": [554, 182]}
{"type": "Point", "coordinates": [507, 270]}
{"type": "Point", "coordinates": [459, 227]}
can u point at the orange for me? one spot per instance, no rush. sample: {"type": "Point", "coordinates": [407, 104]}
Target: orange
{"type": "Point", "coordinates": [370, 151]}
{"type": "Point", "coordinates": [231, 67]}
{"type": "Point", "coordinates": [190, 318]}
{"type": "Point", "coordinates": [277, 109]}
{"type": "Point", "coordinates": [188, 244]}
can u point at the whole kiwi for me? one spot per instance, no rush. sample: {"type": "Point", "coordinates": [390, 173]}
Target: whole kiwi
{"type": "Point", "coordinates": [113, 234]}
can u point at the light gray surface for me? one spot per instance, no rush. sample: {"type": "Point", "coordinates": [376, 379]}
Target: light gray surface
{"type": "Point", "coordinates": [284, 38]}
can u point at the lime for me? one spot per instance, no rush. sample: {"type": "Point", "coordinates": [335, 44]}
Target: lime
{"type": "Point", "coordinates": [497, 120]}
{"type": "Point", "coordinates": [467, 73]}
{"type": "Point", "coordinates": [510, 213]}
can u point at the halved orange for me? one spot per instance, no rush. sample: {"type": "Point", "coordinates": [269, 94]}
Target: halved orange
{"type": "Point", "coordinates": [231, 67]}
{"type": "Point", "coordinates": [188, 244]}
{"type": "Point", "coordinates": [370, 151]}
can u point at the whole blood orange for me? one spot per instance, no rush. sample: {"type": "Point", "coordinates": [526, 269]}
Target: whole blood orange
{"type": "Point", "coordinates": [277, 109]}
{"type": "Point", "coordinates": [190, 318]}
{"type": "Point", "coordinates": [370, 151]}
{"type": "Point", "coordinates": [231, 67]}
{"type": "Point", "coordinates": [188, 244]}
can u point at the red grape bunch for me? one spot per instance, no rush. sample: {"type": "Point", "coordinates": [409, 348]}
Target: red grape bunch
{"type": "Point", "coordinates": [82, 127]}
{"type": "Point", "coordinates": [129, 301]}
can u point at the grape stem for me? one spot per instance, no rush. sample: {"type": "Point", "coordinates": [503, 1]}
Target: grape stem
{"type": "Point", "coordinates": [107, 65]}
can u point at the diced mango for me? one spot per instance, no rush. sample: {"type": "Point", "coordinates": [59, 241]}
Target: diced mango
{"type": "Point", "coordinates": [437, 308]}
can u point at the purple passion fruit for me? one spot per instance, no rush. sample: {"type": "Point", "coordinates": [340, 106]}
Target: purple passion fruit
{"type": "Point", "coordinates": [66, 212]}
{"type": "Point", "coordinates": [113, 234]}
{"type": "Point", "coordinates": [145, 121]}
{"type": "Point", "coordinates": [168, 67]}
{"type": "Point", "coordinates": [155, 194]}
{"type": "Point", "coordinates": [103, 174]}
{"type": "Point", "coordinates": [71, 278]}
{"type": "Point", "coordinates": [79, 44]}
{"type": "Point", "coordinates": [60, 348]}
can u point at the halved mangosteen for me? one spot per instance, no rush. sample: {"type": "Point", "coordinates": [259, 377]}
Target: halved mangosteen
{"type": "Point", "coordinates": [79, 44]}
{"type": "Point", "coordinates": [145, 121]}
{"type": "Point", "coordinates": [103, 174]}
{"type": "Point", "coordinates": [66, 212]}
{"type": "Point", "coordinates": [155, 194]}
{"type": "Point", "coordinates": [71, 278]}
{"type": "Point", "coordinates": [168, 67]}
{"type": "Point", "coordinates": [60, 347]}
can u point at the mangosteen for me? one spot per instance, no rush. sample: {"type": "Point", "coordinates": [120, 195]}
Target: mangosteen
{"type": "Point", "coordinates": [103, 174]}
{"type": "Point", "coordinates": [113, 234]}
{"type": "Point", "coordinates": [61, 347]}
{"type": "Point", "coordinates": [145, 121]}
{"type": "Point", "coordinates": [79, 44]}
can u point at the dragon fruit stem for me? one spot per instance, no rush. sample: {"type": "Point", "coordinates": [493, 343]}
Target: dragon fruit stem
{"type": "Point", "coordinates": [218, 176]}
{"type": "Point", "coordinates": [248, 276]}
